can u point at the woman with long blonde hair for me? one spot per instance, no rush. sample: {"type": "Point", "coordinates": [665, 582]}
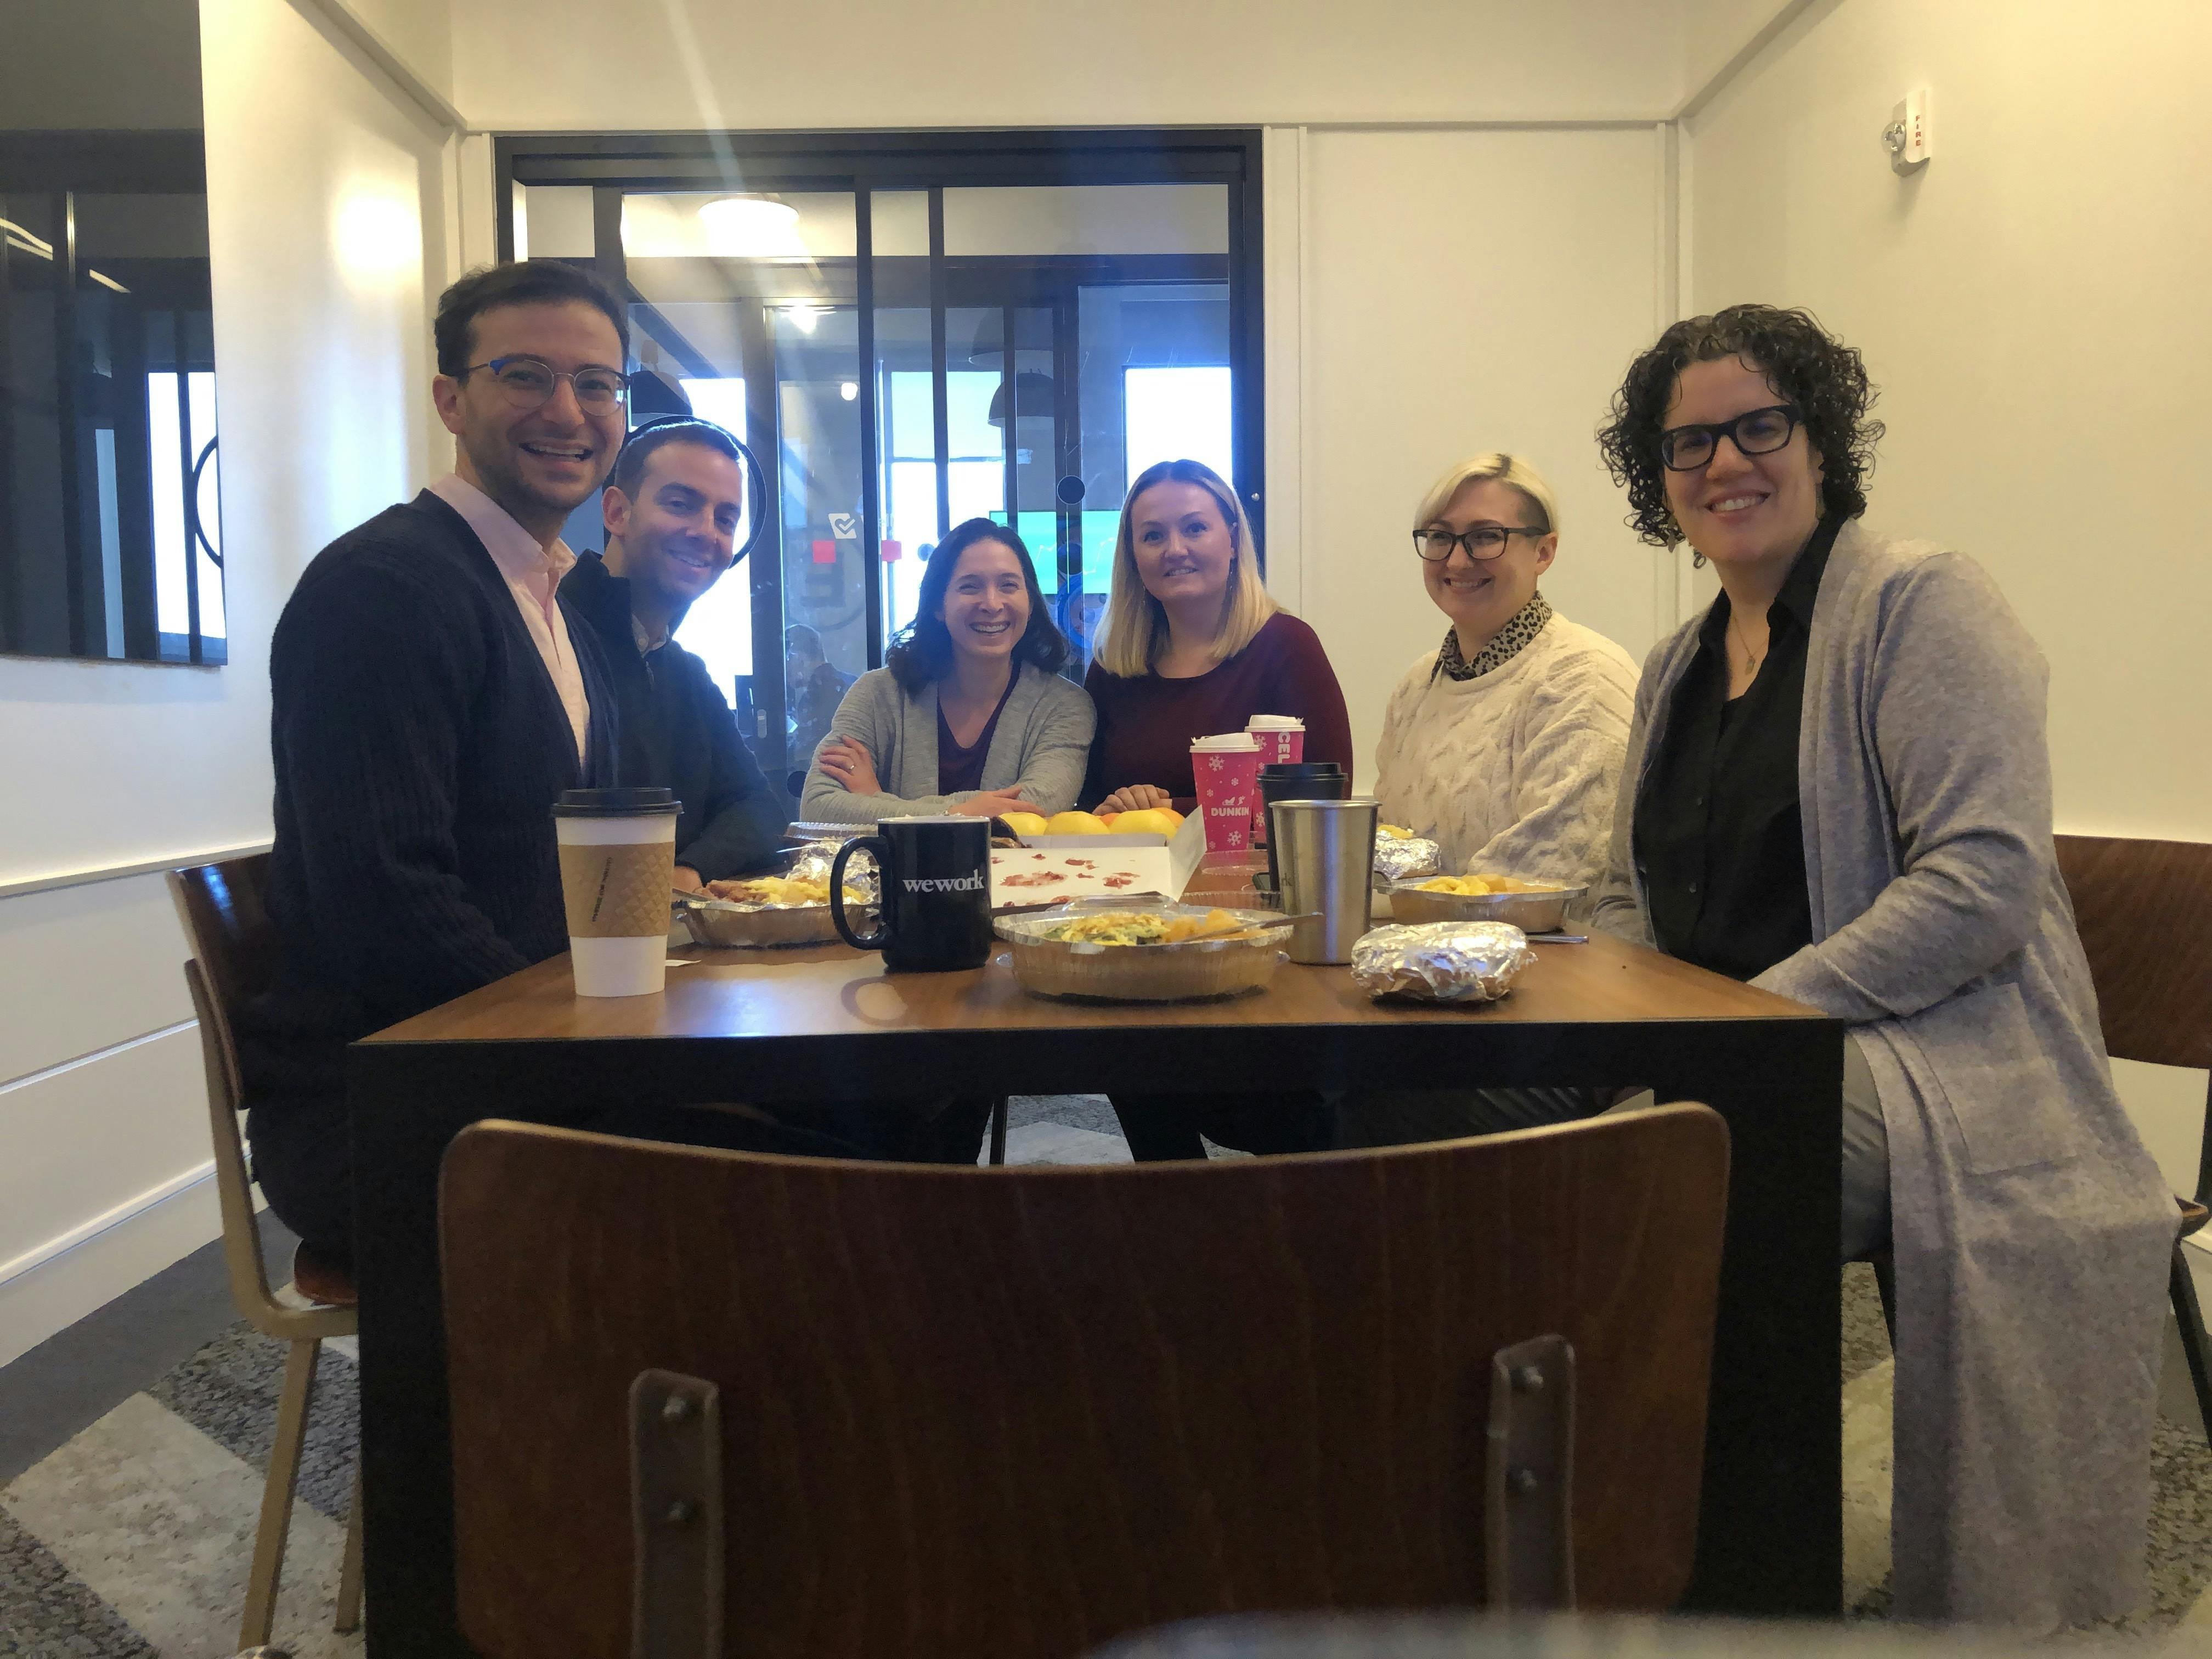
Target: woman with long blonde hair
{"type": "Point", "coordinates": [1193, 646]}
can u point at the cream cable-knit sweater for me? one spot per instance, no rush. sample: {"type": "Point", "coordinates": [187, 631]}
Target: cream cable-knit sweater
{"type": "Point", "coordinates": [1513, 771]}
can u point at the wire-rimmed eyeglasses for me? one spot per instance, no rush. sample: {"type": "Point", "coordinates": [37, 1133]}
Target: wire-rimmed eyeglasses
{"type": "Point", "coordinates": [1754, 432]}
{"type": "Point", "coordinates": [530, 383]}
{"type": "Point", "coordinates": [1484, 541]}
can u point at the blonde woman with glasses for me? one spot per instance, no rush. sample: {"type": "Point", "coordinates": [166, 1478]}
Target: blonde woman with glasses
{"type": "Point", "coordinates": [1193, 646]}
{"type": "Point", "coordinates": [1505, 743]}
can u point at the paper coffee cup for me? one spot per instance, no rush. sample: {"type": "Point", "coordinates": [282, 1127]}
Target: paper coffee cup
{"type": "Point", "coordinates": [618, 869]}
{"type": "Point", "coordinates": [1282, 738]}
{"type": "Point", "coordinates": [1226, 768]}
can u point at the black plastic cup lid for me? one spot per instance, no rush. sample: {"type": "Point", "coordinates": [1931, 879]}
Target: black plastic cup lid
{"type": "Point", "coordinates": [614, 803]}
{"type": "Point", "coordinates": [1302, 770]}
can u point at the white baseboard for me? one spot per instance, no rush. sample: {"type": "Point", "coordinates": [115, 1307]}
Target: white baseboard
{"type": "Point", "coordinates": [51, 1288]}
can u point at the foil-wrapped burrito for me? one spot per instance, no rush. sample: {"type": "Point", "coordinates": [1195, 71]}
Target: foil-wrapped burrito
{"type": "Point", "coordinates": [1442, 960]}
{"type": "Point", "coordinates": [812, 861]}
{"type": "Point", "coordinates": [1405, 858]}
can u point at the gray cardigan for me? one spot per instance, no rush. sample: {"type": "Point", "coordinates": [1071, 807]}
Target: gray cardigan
{"type": "Point", "coordinates": [2032, 1230]}
{"type": "Point", "coordinates": [1042, 744]}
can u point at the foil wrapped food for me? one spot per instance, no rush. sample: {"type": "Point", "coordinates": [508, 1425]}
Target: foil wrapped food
{"type": "Point", "coordinates": [812, 862]}
{"type": "Point", "coordinates": [1442, 960]}
{"type": "Point", "coordinates": [1405, 858]}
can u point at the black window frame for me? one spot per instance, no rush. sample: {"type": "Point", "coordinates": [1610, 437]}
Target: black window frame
{"type": "Point", "coordinates": [64, 166]}
{"type": "Point", "coordinates": [863, 163]}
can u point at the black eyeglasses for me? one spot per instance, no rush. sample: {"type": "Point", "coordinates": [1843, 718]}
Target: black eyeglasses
{"type": "Point", "coordinates": [1754, 432]}
{"type": "Point", "coordinates": [1485, 541]}
{"type": "Point", "coordinates": [530, 382]}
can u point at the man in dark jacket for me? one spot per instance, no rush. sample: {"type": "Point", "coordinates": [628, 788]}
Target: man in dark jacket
{"type": "Point", "coordinates": [672, 509]}
{"type": "Point", "coordinates": [431, 698]}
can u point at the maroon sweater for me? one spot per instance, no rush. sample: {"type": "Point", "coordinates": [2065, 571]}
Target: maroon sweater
{"type": "Point", "coordinates": [1145, 723]}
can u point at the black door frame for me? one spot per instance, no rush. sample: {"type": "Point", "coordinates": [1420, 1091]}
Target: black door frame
{"type": "Point", "coordinates": [862, 163]}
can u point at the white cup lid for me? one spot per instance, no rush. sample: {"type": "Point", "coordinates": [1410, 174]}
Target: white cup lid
{"type": "Point", "coordinates": [1225, 743]}
{"type": "Point", "coordinates": [1274, 723]}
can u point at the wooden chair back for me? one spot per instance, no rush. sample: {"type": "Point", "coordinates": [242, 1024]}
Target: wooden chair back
{"type": "Point", "coordinates": [1020, 1412]}
{"type": "Point", "coordinates": [225, 912]}
{"type": "Point", "coordinates": [2144, 911]}
{"type": "Point", "coordinates": [225, 915]}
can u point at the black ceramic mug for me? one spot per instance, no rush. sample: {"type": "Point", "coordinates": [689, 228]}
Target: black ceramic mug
{"type": "Point", "coordinates": [935, 874]}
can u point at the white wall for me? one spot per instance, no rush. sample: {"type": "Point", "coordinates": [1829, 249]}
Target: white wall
{"type": "Point", "coordinates": [1467, 290]}
{"type": "Point", "coordinates": [322, 179]}
{"type": "Point", "coordinates": [2032, 306]}
{"type": "Point", "coordinates": [520, 66]}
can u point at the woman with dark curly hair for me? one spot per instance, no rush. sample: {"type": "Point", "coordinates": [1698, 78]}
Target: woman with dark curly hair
{"type": "Point", "coordinates": [968, 713]}
{"type": "Point", "coordinates": [1837, 788]}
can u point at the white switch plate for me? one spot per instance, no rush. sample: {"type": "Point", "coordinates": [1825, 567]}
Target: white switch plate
{"type": "Point", "coordinates": [1910, 117]}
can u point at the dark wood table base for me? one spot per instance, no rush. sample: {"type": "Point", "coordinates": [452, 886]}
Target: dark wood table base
{"type": "Point", "coordinates": [825, 1023]}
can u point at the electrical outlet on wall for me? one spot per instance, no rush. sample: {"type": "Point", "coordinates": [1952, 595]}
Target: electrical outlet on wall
{"type": "Point", "coordinates": [1906, 137]}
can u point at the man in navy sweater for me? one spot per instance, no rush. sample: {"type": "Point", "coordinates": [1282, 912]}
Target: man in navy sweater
{"type": "Point", "coordinates": [432, 697]}
{"type": "Point", "coordinates": [672, 509]}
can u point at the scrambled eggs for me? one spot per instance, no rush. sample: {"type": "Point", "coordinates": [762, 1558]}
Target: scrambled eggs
{"type": "Point", "coordinates": [1476, 886]}
{"type": "Point", "coordinates": [1396, 831]}
{"type": "Point", "coordinates": [777, 890]}
{"type": "Point", "coordinates": [1140, 927]}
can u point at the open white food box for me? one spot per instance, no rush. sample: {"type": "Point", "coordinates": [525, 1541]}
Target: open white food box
{"type": "Point", "coordinates": [1054, 869]}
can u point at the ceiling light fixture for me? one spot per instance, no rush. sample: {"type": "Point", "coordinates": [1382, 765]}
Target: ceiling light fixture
{"type": "Point", "coordinates": [750, 228]}
{"type": "Point", "coordinates": [848, 390]}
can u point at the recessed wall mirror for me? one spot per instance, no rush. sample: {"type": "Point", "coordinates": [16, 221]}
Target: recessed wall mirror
{"type": "Point", "coordinates": [111, 542]}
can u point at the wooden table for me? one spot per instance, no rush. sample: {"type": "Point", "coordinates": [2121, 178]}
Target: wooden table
{"type": "Point", "coordinates": [826, 1023]}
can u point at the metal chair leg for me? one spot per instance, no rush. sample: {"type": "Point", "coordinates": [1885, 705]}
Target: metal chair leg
{"type": "Point", "coordinates": [349, 1619]}
{"type": "Point", "coordinates": [999, 1129]}
{"type": "Point", "coordinates": [268, 1570]}
{"type": "Point", "coordinates": [2191, 1318]}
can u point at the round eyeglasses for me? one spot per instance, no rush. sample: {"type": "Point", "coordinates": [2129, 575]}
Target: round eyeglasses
{"type": "Point", "coordinates": [529, 383]}
{"type": "Point", "coordinates": [1485, 541]}
{"type": "Point", "coordinates": [1754, 432]}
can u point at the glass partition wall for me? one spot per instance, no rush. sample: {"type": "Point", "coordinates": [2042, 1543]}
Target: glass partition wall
{"type": "Point", "coordinates": [909, 332]}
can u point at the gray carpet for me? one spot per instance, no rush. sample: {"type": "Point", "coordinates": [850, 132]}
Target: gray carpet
{"type": "Point", "coordinates": [131, 1539]}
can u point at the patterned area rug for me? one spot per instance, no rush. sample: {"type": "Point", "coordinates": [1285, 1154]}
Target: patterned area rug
{"type": "Point", "coordinates": [132, 1540]}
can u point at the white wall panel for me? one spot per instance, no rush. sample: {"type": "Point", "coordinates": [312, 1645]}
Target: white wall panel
{"type": "Point", "coordinates": [524, 65]}
{"type": "Point", "coordinates": [2031, 305]}
{"type": "Point", "coordinates": [111, 1129]}
{"type": "Point", "coordinates": [1466, 291]}
{"type": "Point", "coordinates": [83, 968]}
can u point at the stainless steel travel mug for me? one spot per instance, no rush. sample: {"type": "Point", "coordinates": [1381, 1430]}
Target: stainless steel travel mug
{"type": "Point", "coordinates": [1325, 850]}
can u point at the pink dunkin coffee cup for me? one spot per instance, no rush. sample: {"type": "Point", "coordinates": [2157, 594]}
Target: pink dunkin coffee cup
{"type": "Point", "coordinates": [1282, 738]}
{"type": "Point", "coordinates": [1227, 767]}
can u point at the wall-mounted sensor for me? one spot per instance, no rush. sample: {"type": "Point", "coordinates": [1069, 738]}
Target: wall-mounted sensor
{"type": "Point", "coordinates": [1906, 137]}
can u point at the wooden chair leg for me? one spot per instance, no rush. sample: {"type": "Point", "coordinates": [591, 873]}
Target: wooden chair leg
{"type": "Point", "coordinates": [1885, 1282]}
{"type": "Point", "coordinates": [268, 1570]}
{"type": "Point", "coordinates": [999, 1129]}
{"type": "Point", "coordinates": [349, 1619]}
{"type": "Point", "coordinates": [2191, 1318]}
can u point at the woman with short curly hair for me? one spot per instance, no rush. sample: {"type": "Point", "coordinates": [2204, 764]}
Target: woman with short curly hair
{"type": "Point", "coordinates": [1837, 788]}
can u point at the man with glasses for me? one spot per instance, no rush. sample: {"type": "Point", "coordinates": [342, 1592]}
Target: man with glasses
{"type": "Point", "coordinates": [672, 509]}
{"type": "Point", "coordinates": [432, 697]}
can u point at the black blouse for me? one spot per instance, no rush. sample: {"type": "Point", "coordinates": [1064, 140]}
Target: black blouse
{"type": "Point", "coordinates": [1719, 841]}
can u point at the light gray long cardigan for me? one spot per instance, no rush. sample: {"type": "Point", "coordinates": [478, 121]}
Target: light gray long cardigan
{"type": "Point", "coordinates": [2033, 1231]}
{"type": "Point", "coordinates": [1042, 744]}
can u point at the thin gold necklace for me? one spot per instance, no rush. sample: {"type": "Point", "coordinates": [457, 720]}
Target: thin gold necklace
{"type": "Point", "coordinates": [1750, 663]}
